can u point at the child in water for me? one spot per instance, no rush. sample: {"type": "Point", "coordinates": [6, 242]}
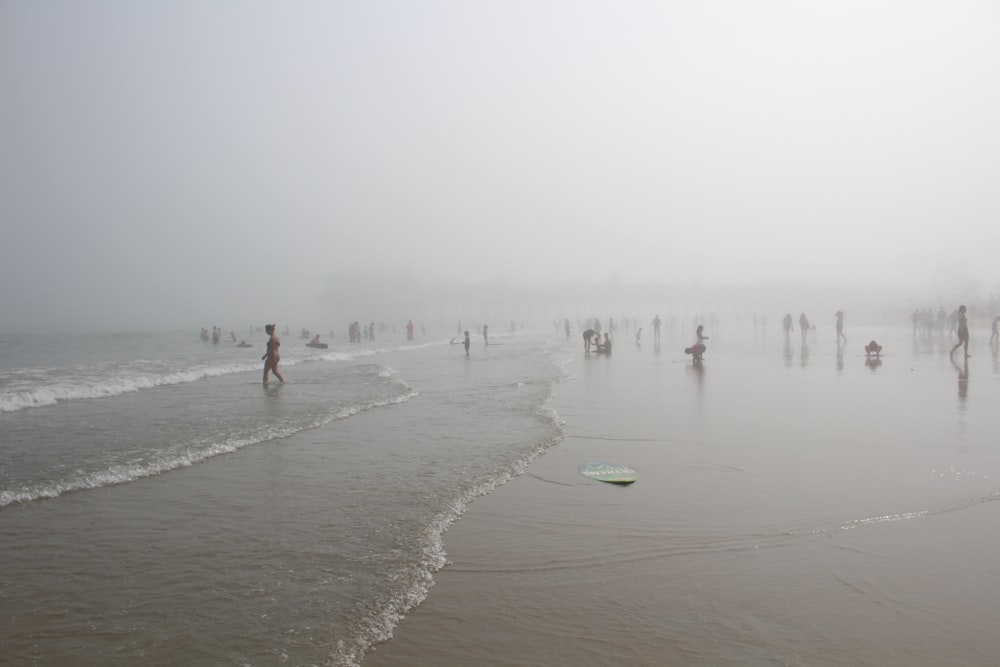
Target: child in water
{"type": "Point", "coordinates": [873, 348]}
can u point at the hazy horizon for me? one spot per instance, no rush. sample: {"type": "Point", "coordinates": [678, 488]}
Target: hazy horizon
{"type": "Point", "coordinates": [184, 164]}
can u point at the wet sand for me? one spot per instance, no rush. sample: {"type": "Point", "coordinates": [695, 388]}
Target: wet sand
{"type": "Point", "coordinates": [794, 507]}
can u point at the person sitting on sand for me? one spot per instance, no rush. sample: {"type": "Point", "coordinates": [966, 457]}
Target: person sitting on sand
{"type": "Point", "coordinates": [604, 347]}
{"type": "Point", "coordinates": [243, 343]}
{"type": "Point", "coordinates": [873, 348]}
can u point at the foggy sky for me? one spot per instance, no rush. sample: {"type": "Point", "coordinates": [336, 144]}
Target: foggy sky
{"type": "Point", "coordinates": [191, 162]}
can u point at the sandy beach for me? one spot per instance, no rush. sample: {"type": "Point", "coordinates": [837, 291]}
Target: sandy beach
{"type": "Point", "coordinates": [795, 506]}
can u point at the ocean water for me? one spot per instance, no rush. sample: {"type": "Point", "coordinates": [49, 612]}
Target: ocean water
{"type": "Point", "coordinates": [159, 505]}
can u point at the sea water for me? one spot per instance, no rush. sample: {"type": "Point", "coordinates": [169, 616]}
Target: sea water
{"type": "Point", "coordinates": [159, 504]}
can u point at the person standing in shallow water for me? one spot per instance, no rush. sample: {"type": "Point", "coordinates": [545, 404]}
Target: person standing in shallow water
{"type": "Point", "coordinates": [840, 326]}
{"type": "Point", "coordinates": [963, 332]}
{"type": "Point", "coordinates": [466, 343]}
{"type": "Point", "coordinates": [271, 357]}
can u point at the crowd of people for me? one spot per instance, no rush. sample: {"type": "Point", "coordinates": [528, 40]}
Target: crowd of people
{"type": "Point", "coordinates": [923, 320]}
{"type": "Point", "coordinates": [601, 341]}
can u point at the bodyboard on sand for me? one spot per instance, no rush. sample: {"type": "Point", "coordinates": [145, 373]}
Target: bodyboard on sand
{"type": "Point", "coordinates": [608, 472]}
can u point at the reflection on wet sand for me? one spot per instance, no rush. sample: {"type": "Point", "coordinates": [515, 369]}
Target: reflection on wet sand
{"type": "Point", "coordinates": [963, 377]}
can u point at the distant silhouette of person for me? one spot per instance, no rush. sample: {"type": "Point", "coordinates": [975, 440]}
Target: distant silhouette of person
{"type": "Point", "coordinates": [698, 349]}
{"type": "Point", "coordinates": [638, 335]}
{"type": "Point", "coordinates": [604, 347]}
{"type": "Point", "coordinates": [656, 328]}
{"type": "Point", "coordinates": [963, 332]}
{"type": "Point", "coordinates": [840, 326]}
{"type": "Point", "coordinates": [486, 335]}
{"type": "Point", "coordinates": [409, 330]}
{"type": "Point", "coordinates": [803, 325]}
{"type": "Point", "coordinates": [786, 323]}
{"type": "Point", "coordinates": [466, 343]}
{"type": "Point", "coordinates": [567, 328]}
{"type": "Point", "coordinates": [271, 357]}
{"type": "Point", "coordinates": [587, 336]}
{"type": "Point", "coordinates": [995, 330]}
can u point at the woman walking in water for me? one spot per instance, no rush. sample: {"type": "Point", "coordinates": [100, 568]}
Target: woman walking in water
{"type": "Point", "coordinates": [963, 332]}
{"type": "Point", "coordinates": [271, 357]}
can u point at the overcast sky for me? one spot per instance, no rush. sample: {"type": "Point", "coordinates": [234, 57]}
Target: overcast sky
{"type": "Point", "coordinates": [167, 161]}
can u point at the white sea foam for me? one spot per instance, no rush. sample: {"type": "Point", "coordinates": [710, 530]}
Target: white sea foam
{"type": "Point", "coordinates": [179, 457]}
{"type": "Point", "coordinates": [377, 626]}
{"type": "Point", "coordinates": [39, 387]}
{"type": "Point", "coordinates": [886, 518]}
{"type": "Point", "coordinates": [110, 381]}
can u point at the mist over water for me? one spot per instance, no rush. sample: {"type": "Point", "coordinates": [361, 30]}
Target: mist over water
{"type": "Point", "coordinates": [171, 167]}
{"type": "Point", "coordinates": [318, 163]}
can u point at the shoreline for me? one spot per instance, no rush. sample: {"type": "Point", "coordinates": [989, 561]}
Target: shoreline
{"type": "Point", "coordinates": [764, 527]}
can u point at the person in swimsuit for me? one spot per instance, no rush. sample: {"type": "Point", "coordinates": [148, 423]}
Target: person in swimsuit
{"type": "Point", "coordinates": [963, 332]}
{"type": "Point", "coordinates": [466, 343]}
{"type": "Point", "coordinates": [271, 357]}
